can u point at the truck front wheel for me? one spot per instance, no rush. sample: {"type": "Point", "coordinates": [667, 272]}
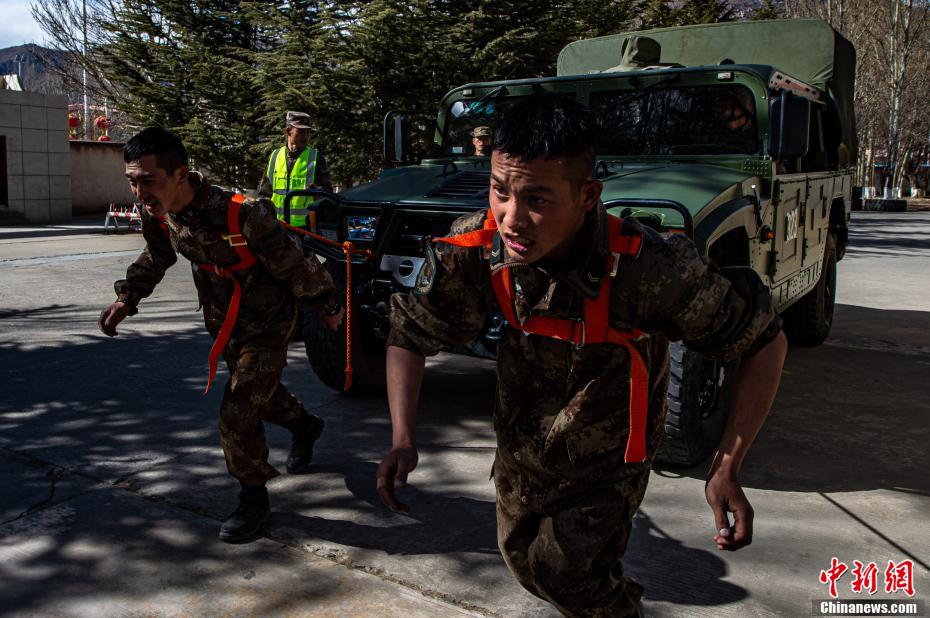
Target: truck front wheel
{"type": "Point", "coordinates": [808, 321]}
{"type": "Point", "coordinates": [699, 391]}
{"type": "Point", "coordinates": [326, 349]}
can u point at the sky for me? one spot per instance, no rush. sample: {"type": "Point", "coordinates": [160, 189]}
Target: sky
{"type": "Point", "coordinates": [16, 24]}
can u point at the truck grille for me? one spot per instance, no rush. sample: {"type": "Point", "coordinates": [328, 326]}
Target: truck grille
{"type": "Point", "coordinates": [464, 185]}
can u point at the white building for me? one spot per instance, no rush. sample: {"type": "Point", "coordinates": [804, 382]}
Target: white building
{"type": "Point", "coordinates": [35, 167]}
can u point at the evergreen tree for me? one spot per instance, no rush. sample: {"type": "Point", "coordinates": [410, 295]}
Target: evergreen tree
{"type": "Point", "coordinates": [703, 12]}
{"type": "Point", "coordinates": [287, 71]}
{"type": "Point", "coordinates": [186, 66]}
{"type": "Point", "coordinates": [224, 73]}
{"type": "Point", "coordinates": [767, 10]}
{"type": "Point", "coordinates": [602, 17]}
{"type": "Point", "coordinates": [657, 14]}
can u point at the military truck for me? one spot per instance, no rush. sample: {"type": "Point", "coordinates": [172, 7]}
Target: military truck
{"type": "Point", "coordinates": [740, 135]}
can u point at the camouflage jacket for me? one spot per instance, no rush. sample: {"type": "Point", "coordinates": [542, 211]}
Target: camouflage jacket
{"type": "Point", "coordinates": [270, 288]}
{"type": "Point", "coordinates": [561, 413]}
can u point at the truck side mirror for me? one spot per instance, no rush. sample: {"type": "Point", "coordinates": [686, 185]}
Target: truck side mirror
{"type": "Point", "coordinates": [789, 117]}
{"type": "Point", "coordinates": [396, 137]}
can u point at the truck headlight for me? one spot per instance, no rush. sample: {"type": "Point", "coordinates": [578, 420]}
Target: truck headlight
{"type": "Point", "coordinates": [361, 228]}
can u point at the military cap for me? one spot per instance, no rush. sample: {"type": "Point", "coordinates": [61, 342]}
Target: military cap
{"type": "Point", "coordinates": [481, 132]}
{"type": "Point", "coordinates": [298, 120]}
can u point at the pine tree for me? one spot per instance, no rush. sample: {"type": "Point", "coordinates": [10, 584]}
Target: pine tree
{"type": "Point", "coordinates": [602, 17]}
{"type": "Point", "coordinates": [703, 12]}
{"type": "Point", "coordinates": [224, 73]}
{"type": "Point", "coordinates": [186, 66]}
{"type": "Point", "coordinates": [767, 10]}
{"type": "Point", "coordinates": [657, 14]}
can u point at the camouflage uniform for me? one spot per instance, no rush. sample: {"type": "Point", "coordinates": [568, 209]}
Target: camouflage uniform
{"type": "Point", "coordinates": [257, 351]}
{"type": "Point", "coordinates": [565, 497]}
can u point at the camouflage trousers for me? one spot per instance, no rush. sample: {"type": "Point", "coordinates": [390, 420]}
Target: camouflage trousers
{"type": "Point", "coordinates": [254, 394]}
{"type": "Point", "coordinates": [567, 548]}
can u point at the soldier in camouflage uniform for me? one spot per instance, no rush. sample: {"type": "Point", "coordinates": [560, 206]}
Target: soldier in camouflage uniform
{"type": "Point", "coordinates": [184, 214]}
{"type": "Point", "coordinates": [565, 494]}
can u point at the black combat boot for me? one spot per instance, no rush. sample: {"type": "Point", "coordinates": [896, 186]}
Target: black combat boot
{"type": "Point", "coordinates": [246, 521]}
{"type": "Point", "coordinates": [305, 431]}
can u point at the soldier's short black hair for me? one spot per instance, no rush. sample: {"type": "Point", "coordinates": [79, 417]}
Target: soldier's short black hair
{"type": "Point", "coordinates": [169, 151]}
{"type": "Point", "coordinates": [549, 126]}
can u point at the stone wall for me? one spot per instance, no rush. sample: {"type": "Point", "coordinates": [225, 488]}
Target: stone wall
{"type": "Point", "coordinates": [34, 135]}
{"type": "Point", "coordinates": [98, 177]}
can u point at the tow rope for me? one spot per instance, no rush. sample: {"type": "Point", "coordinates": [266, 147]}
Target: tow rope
{"type": "Point", "coordinates": [349, 249]}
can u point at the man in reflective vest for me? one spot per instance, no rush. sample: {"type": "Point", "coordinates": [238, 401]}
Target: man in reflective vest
{"type": "Point", "coordinates": [294, 166]}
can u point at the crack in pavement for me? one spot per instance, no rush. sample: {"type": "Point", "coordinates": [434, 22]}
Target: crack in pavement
{"type": "Point", "coordinates": [337, 555]}
{"type": "Point", "coordinates": [54, 474]}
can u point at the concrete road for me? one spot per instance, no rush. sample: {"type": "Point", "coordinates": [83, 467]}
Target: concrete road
{"type": "Point", "coordinates": [113, 482]}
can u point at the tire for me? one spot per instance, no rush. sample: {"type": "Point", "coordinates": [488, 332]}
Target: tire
{"type": "Point", "coordinates": [326, 349]}
{"type": "Point", "coordinates": [699, 392]}
{"type": "Point", "coordinates": [808, 321]}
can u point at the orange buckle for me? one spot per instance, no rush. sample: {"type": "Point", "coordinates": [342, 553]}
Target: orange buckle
{"type": "Point", "coordinates": [575, 340]}
{"type": "Point", "coordinates": [235, 240]}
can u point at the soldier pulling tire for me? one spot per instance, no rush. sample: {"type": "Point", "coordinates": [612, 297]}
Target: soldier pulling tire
{"type": "Point", "coordinates": [809, 320]}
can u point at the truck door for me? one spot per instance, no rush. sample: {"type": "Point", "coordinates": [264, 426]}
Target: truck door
{"type": "Point", "coordinates": [816, 220]}
{"type": "Point", "coordinates": [791, 199]}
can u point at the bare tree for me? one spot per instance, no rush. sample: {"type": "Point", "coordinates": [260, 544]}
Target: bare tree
{"type": "Point", "coordinates": [75, 29]}
{"type": "Point", "coordinates": [892, 40]}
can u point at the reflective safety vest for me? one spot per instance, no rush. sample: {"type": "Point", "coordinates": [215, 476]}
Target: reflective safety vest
{"type": "Point", "coordinates": [301, 176]}
{"type": "Point", "coordinates": [594, 327]}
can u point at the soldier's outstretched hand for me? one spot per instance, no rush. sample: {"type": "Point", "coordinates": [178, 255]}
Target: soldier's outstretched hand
{"type": "Point", "coordinates": [392, 474]}
{"type": "Point", "coordinates": [111, 317]}
{"type": "Point", "coordinates": [724, 495]}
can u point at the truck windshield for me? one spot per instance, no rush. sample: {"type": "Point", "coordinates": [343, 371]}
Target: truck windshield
{"type": "Point", "coordinates": [677, 121]}
{"type": "Point", "coordinates": [471, 125]}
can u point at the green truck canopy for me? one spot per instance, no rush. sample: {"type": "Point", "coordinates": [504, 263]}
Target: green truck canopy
{"type": "Point", "coordinates": [806, 49]}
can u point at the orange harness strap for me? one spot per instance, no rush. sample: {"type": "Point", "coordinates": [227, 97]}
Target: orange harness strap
{"type": "Point", "coordinates": [246, 260]}
{"type": "Point", "coordinates": [593, 328]}
{"type": "Point", "coordinates": [477, 238]}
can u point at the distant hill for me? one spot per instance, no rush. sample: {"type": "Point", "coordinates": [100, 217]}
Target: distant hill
{"type": "Point", "coordinates": [31, 63]}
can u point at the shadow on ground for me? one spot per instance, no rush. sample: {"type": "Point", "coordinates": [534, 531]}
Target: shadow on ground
{"type": "Point", "coordinates": [850, 415]}
{"type": "Point", "coordinates": [437, 523]}
{"type": "Point", "coordinates": [649, 555]}
{"type": "Point", "coordinates": [107, 552]}
{"type": "Point", "coordinates": [888, 235]}
{"type": "Point", "coordinates": [129, 411]}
